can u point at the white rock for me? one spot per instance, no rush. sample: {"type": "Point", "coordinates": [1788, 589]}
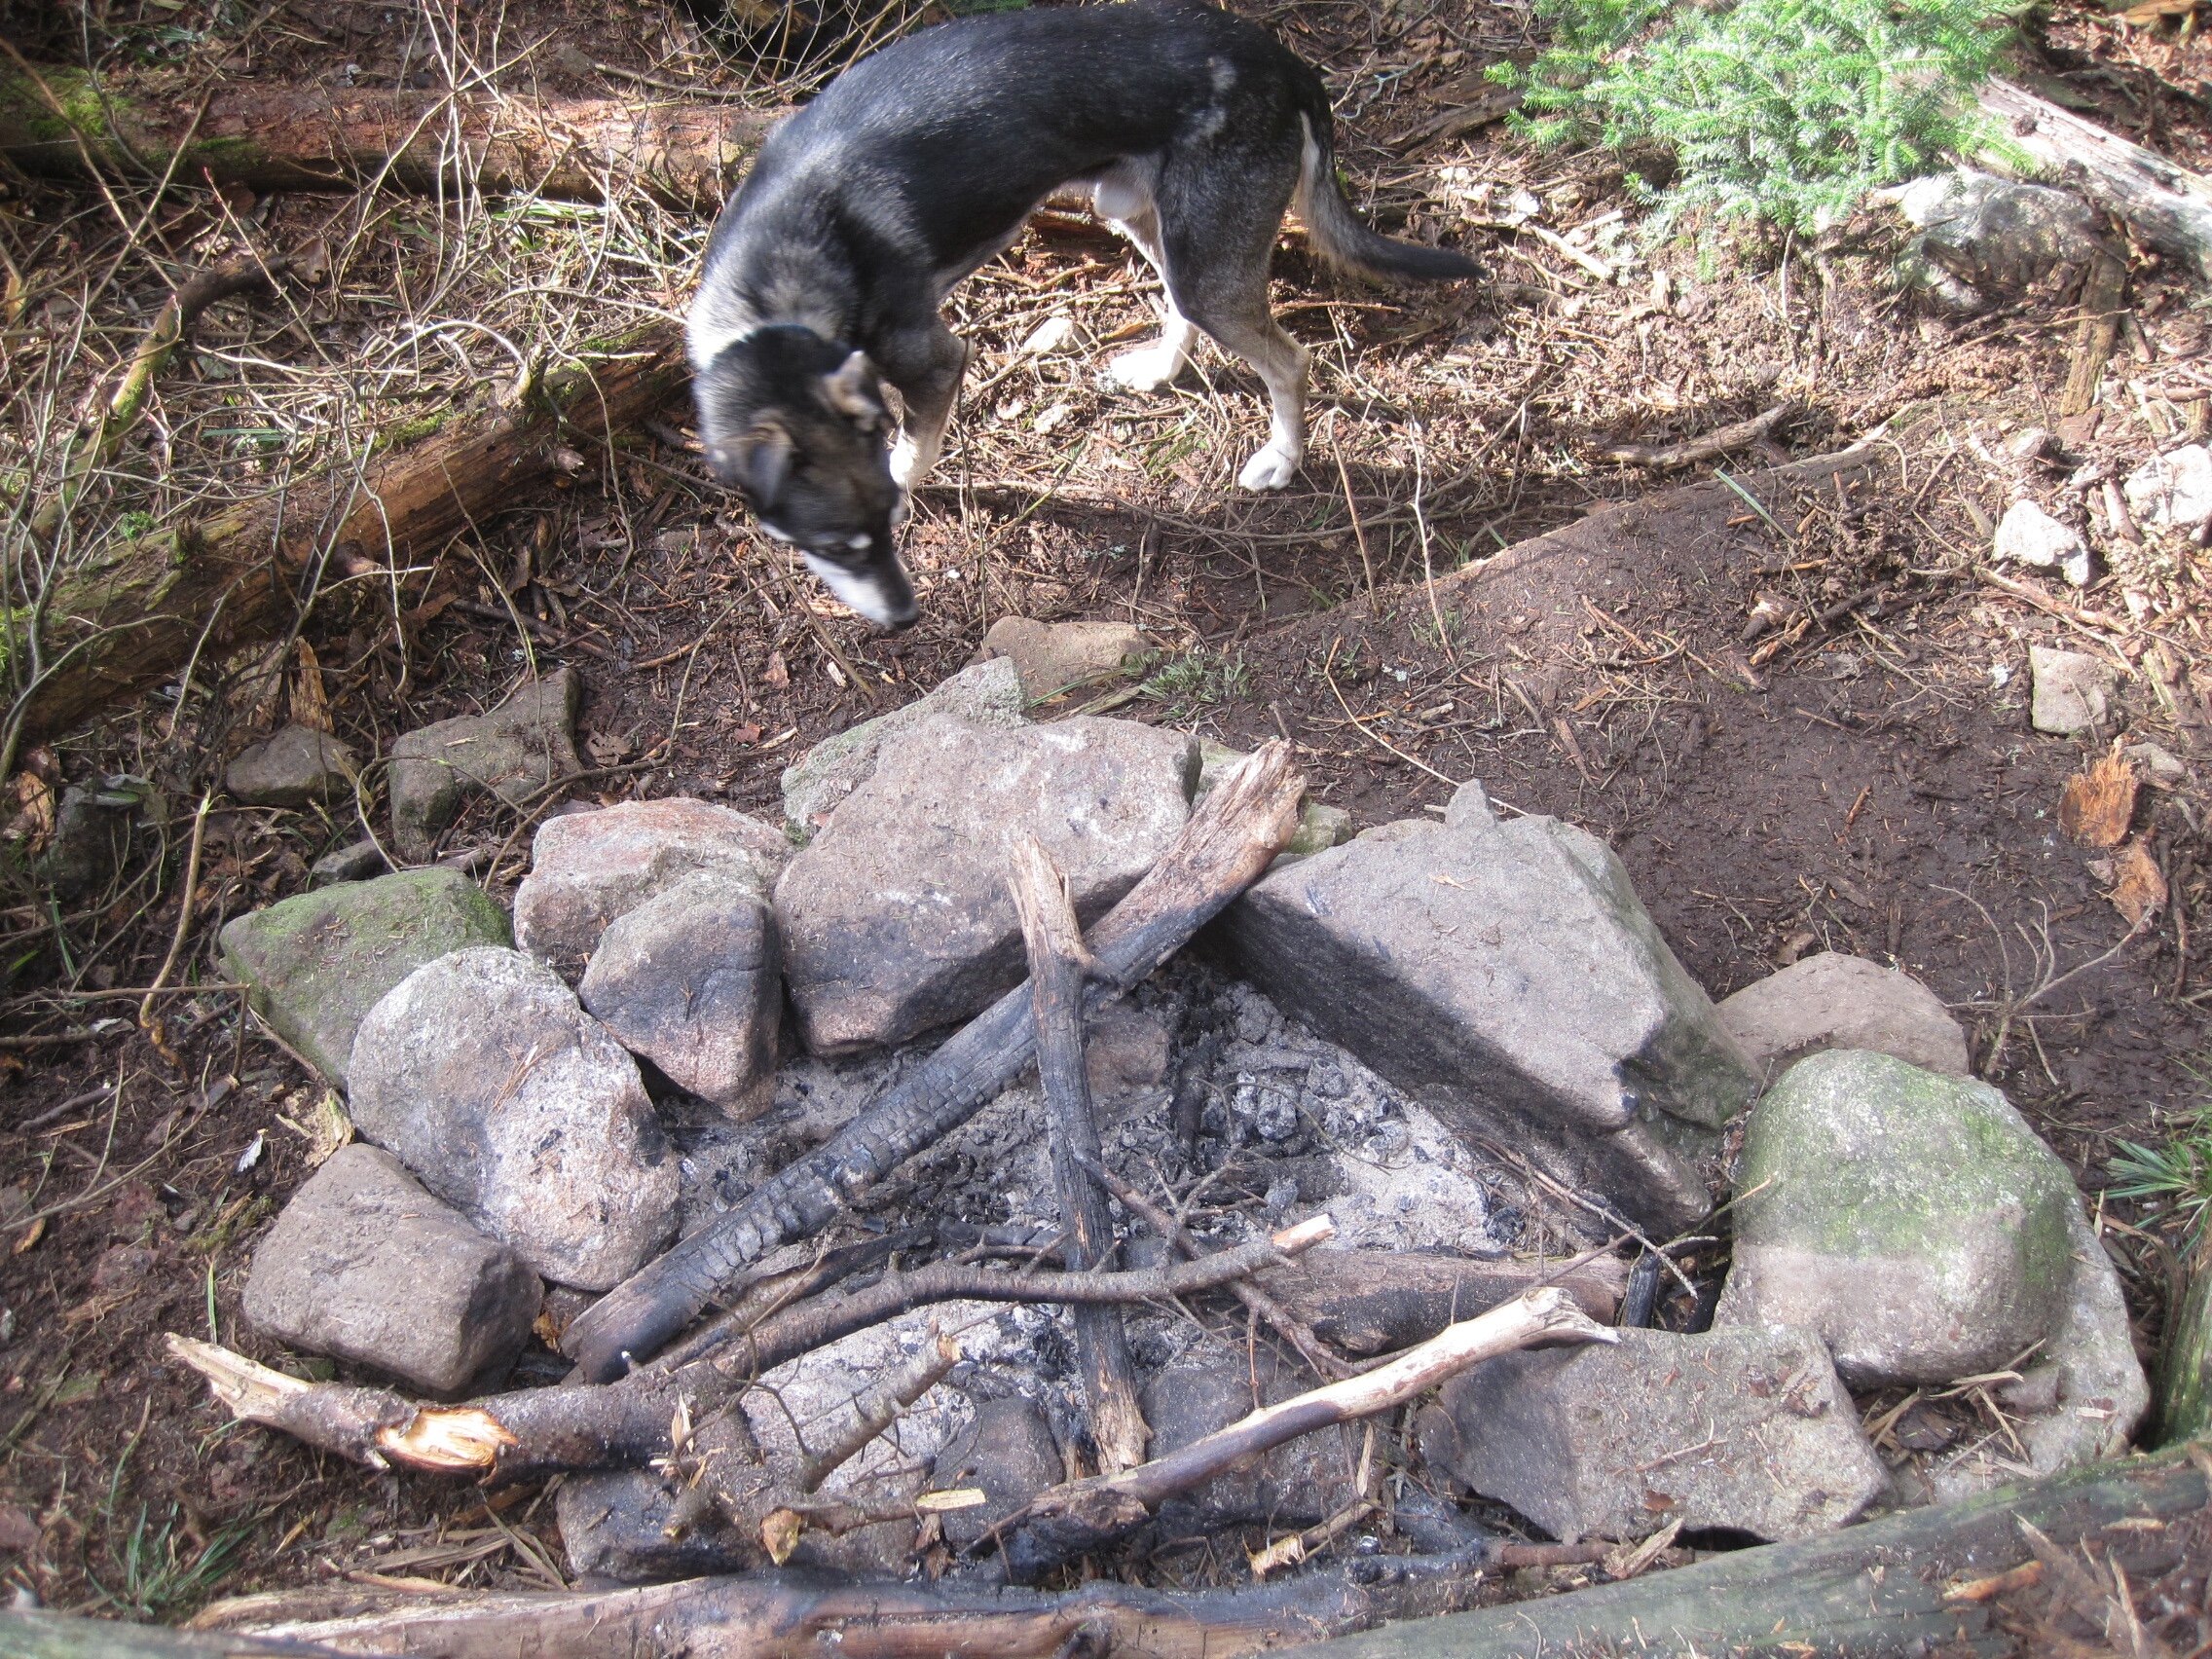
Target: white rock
{"type": "Point", "coordinates": [1049, 336]}
{"type": "Point", "coordinates": [2073, 690]}
{"type": "Point", "coordinates": [2029, 536]}
{"type": "Point", "coordinates": [2173, 491]}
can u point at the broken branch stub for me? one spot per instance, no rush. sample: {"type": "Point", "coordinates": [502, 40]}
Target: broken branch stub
{"type": "Point", "coordinates": [1226, 845]}
{"type": "Point", "coordinates": [1088, 1514]}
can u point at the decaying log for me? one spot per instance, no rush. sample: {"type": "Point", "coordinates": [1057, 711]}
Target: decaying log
{"type": "Point", "coordinates": [1232, 836]}
{"type": "Point", "coordinates": [1880, 1588]}
{"type": "Point", "coordinates": [534, 1432]}
{"type": "Point", "coordinates": [136, 613]}
{"type": "Point", "coordinates": [1057, 961]}
{"type": "Point", "coordinates": [269, 136]}
{"type": "Point", "coordinates": [2168, 208]}
{"type": "Point", "coordinates": [771, 1616]}
{"type": "Point", "coordinates": [1083, 1515]}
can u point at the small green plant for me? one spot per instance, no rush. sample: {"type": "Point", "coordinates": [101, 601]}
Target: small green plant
{"type": "Point", "coordinates": [2177, 1176]}
{"type": "Point", "coordinates": [158, 1576]}
{"type": "Point", "coordinates": [1787, 111]}
{"type": "Point", "coordinates": [1196, 680]}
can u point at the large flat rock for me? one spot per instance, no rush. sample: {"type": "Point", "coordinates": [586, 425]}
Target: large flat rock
{"type": "Point", "coordinates": [366, 1266]}
{"type": "Point", "coordinates": [485, 1076]}
{"type": "Point", "coordinates": [320, 961]}
{"type": "Point", "coordinates": [1834, 1000]}
{"type": "Point", "coordinates": [896, 919]}
{"type": "Point", "coordinates": [983, 693]}
{"type": "Point", "coordinates": [1748, 1431]}
{"type": "Point", "coordinates": [518, 752]}
{"type": "Point", "coordinates": [1507, 972]}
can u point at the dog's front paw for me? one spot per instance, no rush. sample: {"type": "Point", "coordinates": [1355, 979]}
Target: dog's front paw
{"type": "Point", "coordinates": [1146, 369]}
{"type": "Point", "coordinates": [1270, 469]}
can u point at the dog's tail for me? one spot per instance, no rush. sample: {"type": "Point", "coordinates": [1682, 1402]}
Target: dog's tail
{"type": "Point", "coordinates": [1342, 238]}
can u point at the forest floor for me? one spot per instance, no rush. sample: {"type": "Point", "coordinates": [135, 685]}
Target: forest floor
{"type": "Point", "coordinates": [1870, 785]}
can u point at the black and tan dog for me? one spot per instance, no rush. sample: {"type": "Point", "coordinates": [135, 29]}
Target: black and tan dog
{"type": "Point", "coordinates": [1193, 132]}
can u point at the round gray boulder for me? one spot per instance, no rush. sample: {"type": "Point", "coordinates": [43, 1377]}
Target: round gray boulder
{"type": "Point", "coordinates": [1912, 1220]}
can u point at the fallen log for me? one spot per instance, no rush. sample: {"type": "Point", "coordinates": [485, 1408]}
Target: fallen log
{"type": "Point", "coordinates": [772, 1615]}
{"type": "Point", "coordinates": [137, 611]}
{"type": "Point", "coordinates": [1231, 837]}
{"type": "Point", "coordinates": [2168, 208]}
{"type": "Point", "coordinates": [62, 122]}
{"type": "Point", "coordinates": [1058, 961]}
{"type": "Point", "coordinates": [1080, 1516]}
{"type": "Point", "coordinates": [1885, 1587]}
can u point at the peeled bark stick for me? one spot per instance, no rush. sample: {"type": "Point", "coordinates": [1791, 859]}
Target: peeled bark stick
{"type": "Point", "coordinates": [1058, 961]}
{"type": "Point", "coordinates": [626, 1424]}
{"type": "Point", "coordinates": [1086, 1515]}
{"type": "Point", "coordinates": [137, 611]}
{"type": "Point", "coordinates": [269, 136]}
{"type": "Point", "coordinates": [1226, 845]}
{"type": "Point", "coordinates": [2168, 208]}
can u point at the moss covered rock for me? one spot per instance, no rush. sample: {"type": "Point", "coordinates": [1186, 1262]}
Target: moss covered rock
{"type": "Point", "coordinates": [318, 963]}
{"type": "Point", "coordinates": [1914, 1220]}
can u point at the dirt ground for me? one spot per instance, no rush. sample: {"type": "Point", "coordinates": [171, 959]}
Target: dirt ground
{"type": "Point", "coordinates": [1865, 782]}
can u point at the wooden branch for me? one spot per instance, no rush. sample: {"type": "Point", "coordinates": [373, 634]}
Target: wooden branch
{"type": "Point", "coordinates": [276, 136]}
{"type": "Point", "coordinates": [1718, 442]}
{"type": "Point", "coordinates": [171, 324]}
{"type": "Point", "coordinates": [1281, 1319]}
{"type": "Point", "coordinates": [626, 1424]}
{"type": "Point", "coordinates": [1881, 1587]}
{"type": "Point", "coordinates": [1086, 1515]}
{"type": "Point", "coordinates": [1056, 964]}
{"type": "Point", "coordinates": [132, 615]}
{"type": "Point", "coordinates": [1227, 843]}
{"type": "Point", "coordinates": [2168, 208]}
{"type": "Point", "coordinates": [1369, 1302]}
{"type": "Point", "coordinates": [876, 1408]}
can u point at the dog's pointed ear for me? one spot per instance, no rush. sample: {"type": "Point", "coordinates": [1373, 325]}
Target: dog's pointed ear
{"type": "Point", "coordinates": [852, 391]}
{"type": "Point", "coordinates": [758, 462]}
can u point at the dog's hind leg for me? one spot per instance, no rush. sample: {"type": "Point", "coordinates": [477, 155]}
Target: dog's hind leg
{"type": "Point", "coordinates": [1122, 198]}
{"type": "Point", "coordinates": [1221, 203]}
{"type": "Point", "coordinates": [925, 364]}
